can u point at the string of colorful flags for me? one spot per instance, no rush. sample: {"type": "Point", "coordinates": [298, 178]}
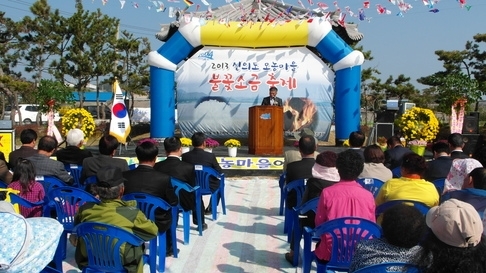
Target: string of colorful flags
{"type": "Point", "coordinates": [400, 8]}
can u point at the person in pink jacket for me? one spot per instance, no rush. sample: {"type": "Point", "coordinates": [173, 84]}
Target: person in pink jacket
{"type": "Point", "coordinates": [345, 198]}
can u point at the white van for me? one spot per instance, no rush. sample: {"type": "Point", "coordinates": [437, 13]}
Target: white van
{"type": "Point", "coordinates": [29, 114]}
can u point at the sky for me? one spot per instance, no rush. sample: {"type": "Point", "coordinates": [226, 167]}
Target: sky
{"type": "Point", "coordinates": [401, 43]}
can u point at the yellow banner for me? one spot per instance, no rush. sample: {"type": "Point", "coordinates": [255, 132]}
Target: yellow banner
{"type": "Point", "coordinates": [7, 142]}
{"type": "Point", "coordinates": [237, 163]}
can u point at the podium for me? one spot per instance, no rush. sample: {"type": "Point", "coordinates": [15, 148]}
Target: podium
{"type": "Point", "coordinates": [265, 130]}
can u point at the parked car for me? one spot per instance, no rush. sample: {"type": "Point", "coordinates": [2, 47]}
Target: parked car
{"type": "Point", "coordinates": [92, 110]}
{"type": "Point", "coordinates": [29, 114]}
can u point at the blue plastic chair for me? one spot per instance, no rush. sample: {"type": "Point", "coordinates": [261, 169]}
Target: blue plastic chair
{"type": "Point", "coordinates": [103, 243]}
{"type": "Point", "coordinates": [75, 171]}
{"type": "Point", "coordinates": [3, 185]}
{"type": "Point", "coordinates": [49, 182]}
{"type": "Point", "coordinates": [178, 186]}
{"type": "Point", "coordinates": [203, 173]}
{"type": "Point", "coordinates": [389, 268]}
{"type": "Point", "coordinates": [397, 172]}
{"type": "Point", "coordinates": [388, 204]}
{"type": "Point", "coordinates": [66, 201]}
{"type": "Point", "coordinates": [345, 233]}
{"type": "Point", "coordinates": [16, 199]}
{"type": "Point", "coordinates": [148, 204]}
{"type": "Point", "coordinates": [371, 184]}
{"type": "Point", "coordinates": [297, 229]}
{"type": "Point", "coordinates": [281, 184]}
{"type": "Point", "coordinates": [298, 186]}
{"type": "Point", "coordinates": [132, 166]}
{"type": "Point", "coordinates": [439, 185]}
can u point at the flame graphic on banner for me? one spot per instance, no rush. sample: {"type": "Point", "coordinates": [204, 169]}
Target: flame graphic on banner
{"type": "Point", "coordinates": [120, 121]}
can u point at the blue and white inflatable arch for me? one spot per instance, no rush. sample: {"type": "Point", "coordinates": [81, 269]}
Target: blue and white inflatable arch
{"type": "Point", "coordinates": [318, 33]}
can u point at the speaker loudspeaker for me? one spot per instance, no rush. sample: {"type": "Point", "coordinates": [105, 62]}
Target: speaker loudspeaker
{"type": "Point", "coordinates": [384, 130]}
{"type": "Point", "coordinates": [471, 123]}
{"type": "Point", "coordinates": [470, 143]}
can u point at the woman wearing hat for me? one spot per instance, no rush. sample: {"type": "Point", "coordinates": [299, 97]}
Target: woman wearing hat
{"type": "Point", "coordinates": [455, 241]}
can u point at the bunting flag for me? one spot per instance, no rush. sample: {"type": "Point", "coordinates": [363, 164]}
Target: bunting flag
{"type": "Point", "coordinates": [188, 3]}
{"type": "Point", "coordinates": [120, 121]}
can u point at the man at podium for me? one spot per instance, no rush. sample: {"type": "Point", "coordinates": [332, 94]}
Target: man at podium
{"type": "Point", "coordinates": [272, 99]}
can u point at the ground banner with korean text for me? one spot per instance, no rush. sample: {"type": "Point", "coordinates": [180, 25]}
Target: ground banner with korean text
{"type": "Point", "coordinates": [216, 86]}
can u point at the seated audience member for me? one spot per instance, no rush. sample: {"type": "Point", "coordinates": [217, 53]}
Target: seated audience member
{"type": "Point", "coordinates": [403, 228]}
{"type": "Point", "coordinates": [456, 143]}
{"type": "Point", "coordinates": [373, 166]}
{"type": "Point", "coordinates": [24, 181]}
{"type": "Point", "coordinates": [455, 241]}
{"type": "Point", "coordinates": [147, 180]}
{"type": "Point", "coordinates": [440, 166]}
{"type": "Point", "coordinates": [198, 156]}
{"type": "Point", "coordinates": [28, 137]}
{"type": "Point", "coordinates": [344, 198]}
{"type": "Point", "coordinates": [410, 186]}
{"type": "Point", "coordinates": [44, 165]}
{"type": "Point", "coordinates": [458, 172]}
{"type": "Point", "coordinates": [73, 154]}
{"type": "Point", "coordinates": [5, 174]}
{"type": "Point", "coordinates": [173, 166]}
{"type": "Point", "coordinates": [107, 147]}
{"type": "Point", "coordinates": [112, 210]}
{"type": "Point", "coordinates": [324, 174]}
{"type": "Point", "coordinates": [395, 152]}
{"type": "Point", "coordinates": [356, 141]}
{"type": "Point", "coordinates": [480, 155]}
{"type": "Point", "coordinates": [473, 190]}
{"type": "Point", "coordinates": [294, 155]}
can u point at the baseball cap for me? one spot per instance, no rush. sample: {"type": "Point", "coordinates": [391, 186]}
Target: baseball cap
{"type": "Point", "coordinates": [303, 132]}
{"type": "Point", "coordinates": [109, 177]}
{"type": "Point", "coordinates": [455, 223]}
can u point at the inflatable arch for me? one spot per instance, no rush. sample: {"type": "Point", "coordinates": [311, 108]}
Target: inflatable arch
{"type": "Point", "coordinates": [316, 33]}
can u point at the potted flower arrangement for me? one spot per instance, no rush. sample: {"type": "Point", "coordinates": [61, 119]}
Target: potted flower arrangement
{"type": "Point", "coordinates": [210, 144]}
{"type": "Point", "coordinates": [233, 145]}
{"type": "Point", "coordinates": [419, 125]}
{"type": "Point", "coordinates": [78, 118]}
{"type": "Point", "coordinates": [186, 143]}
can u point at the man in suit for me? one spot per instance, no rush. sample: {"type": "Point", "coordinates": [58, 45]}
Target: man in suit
{"type": "Point", "coordinates": [28, 137]}
{"type": "Point", "coordinates": [46, 166]}
{"type": "Point", "coordinates": [73, 154]}
{"type": "Point", "coordinates": [197, 156]}
{"type": "Point", "coordinates": [272, 99]}
{"type": "Point", "coordinates": [147, 180]}
{"type": "Point", "coordinates": [174, 167]}
{"type": "Point", "coordinates": [302, 168]}
{"type": "Point", "coordinates": [395, 152]}
{"type": "Point", "coordinates": [440, 166]}
{"type": "Point", "coordinates": [356, 141]}
{"type": "Point", "coordinates": [294, 155]}
{"type": "Point", "coordinates": [107, 147]}
{"type": "Point", "coordinates": [456, 144]}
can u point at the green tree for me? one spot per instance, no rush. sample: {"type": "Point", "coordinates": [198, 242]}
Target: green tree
{"type": "Point", "coordinates": [49, 90]}
{"type": "Point", "coordinates": [132, 69]}
{"type": "Point", "coordinates": [463, 76]}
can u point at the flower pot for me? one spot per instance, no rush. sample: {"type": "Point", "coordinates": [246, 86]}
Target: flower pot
{"type": "Point", "coordinates": [185, 149]}
{"type": "Point", "coordinates": [420, 150]}
{"type": "Point", "coordinates": [232, 151]}
{"type": "Point", "coordinates": [209, 150]}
